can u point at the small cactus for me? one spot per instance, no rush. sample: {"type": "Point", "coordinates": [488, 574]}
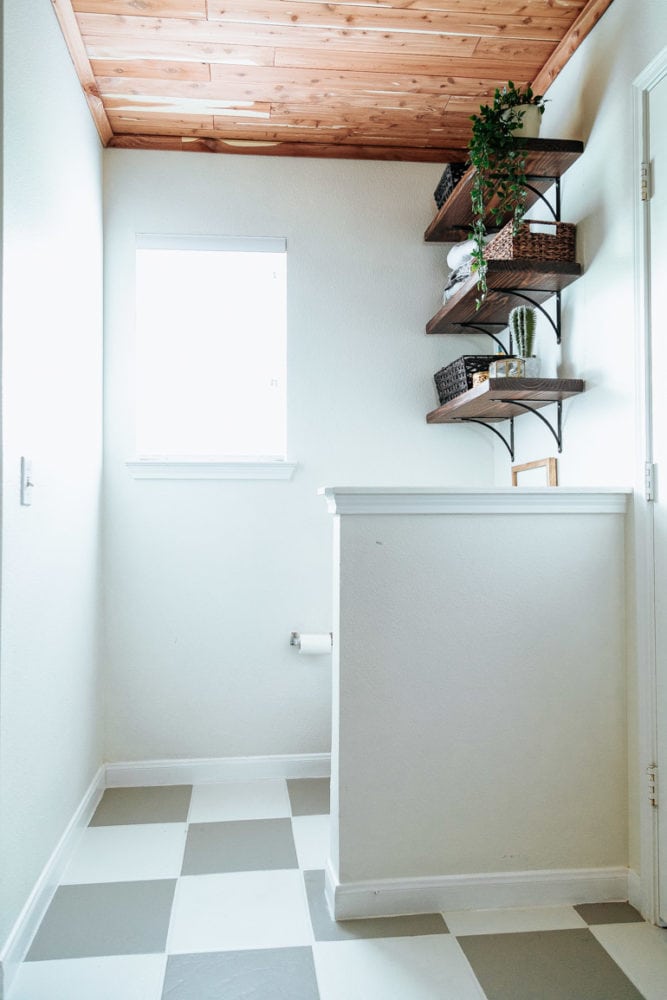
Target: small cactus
{"type": "Point", "coordinates": [522, 327]}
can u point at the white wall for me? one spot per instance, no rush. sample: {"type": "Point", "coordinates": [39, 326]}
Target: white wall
{"type": "Point", "coordinates": [207, 579]}
{"type": "Point", "coordinates": [481, 676]}
{"type": "Point", "coordinates": [592, 100]}
{"type": "Point", "coordinates": [50, 740]}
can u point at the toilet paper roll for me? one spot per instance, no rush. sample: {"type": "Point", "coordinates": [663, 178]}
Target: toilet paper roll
{"type": "Point", "coordinates": [314, 644]}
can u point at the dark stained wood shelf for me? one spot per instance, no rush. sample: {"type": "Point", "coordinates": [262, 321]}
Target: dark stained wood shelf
{"type": "Point", "coordinates": [539, 278]}
{"type": "Point", "coordinates": [489, 401]}
{"type": "Point", "coordinates": [547, 158]}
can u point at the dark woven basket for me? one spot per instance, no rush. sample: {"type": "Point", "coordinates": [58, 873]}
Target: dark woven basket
{"type": "Point", "coordinates": [456, 377]}
{"type": "Point", "coordinates": [558, 245]}
{"type": "Point", "coordinates": [452, 175]}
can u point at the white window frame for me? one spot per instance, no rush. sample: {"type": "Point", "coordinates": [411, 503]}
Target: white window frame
{"type": "Point", "coordinates": [167, 468]}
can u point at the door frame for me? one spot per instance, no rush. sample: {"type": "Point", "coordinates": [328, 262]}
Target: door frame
{"type": "Point", "coordinates": [646, 895]}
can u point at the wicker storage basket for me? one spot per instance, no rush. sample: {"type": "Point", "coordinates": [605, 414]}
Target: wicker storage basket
{"type": "Point", "coordinates": [559, 243]}
{"type": "Point", "coordinates": [456, 377]}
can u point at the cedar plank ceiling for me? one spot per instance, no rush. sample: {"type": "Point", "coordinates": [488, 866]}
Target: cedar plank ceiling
{"type": "Point", "coordinates": [366, 79]}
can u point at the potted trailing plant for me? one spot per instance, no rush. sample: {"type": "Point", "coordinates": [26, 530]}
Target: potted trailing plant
{"type": "Point", "coordinates": [499, 185]}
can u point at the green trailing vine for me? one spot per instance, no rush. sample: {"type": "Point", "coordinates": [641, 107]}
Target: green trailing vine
{"type": "Point", "coordinates": [499, 186]}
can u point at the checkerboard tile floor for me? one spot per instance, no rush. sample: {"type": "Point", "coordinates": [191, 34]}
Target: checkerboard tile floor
{"type": "Point", "coordinates": [216, 892]}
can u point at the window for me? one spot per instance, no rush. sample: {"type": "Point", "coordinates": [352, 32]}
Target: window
{"type": "Point", "coordinates": [211, 349]}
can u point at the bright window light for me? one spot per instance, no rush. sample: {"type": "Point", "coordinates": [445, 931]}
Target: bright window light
{"type": "Point", "coordinates": [211, 348]}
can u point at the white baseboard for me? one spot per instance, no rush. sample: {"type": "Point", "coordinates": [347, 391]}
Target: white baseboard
{"type": "Point", "coordinates": [20, 938]}
{"type": "Point", "coordinates": [200, 771]}
{"type": "Point", "coordinates": [394, 897]}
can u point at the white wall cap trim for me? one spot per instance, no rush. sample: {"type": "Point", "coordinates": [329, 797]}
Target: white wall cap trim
{"type": "Point", "coordinates": [511, 500]}
{"type": "Point", "coordinates": [260, 469]}
{"type": "Point", "coordinates": [170, 241]}
{"type": "Point", "coordinates": [20, 938]}
{"type": "Point", "coordinates": [203, 770]}
{"type": "Point", "coordinates": [394, 897]}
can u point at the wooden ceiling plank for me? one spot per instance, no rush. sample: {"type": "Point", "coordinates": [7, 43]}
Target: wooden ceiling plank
{"type": "Point", "coordinates": [146, 69]}
{"type": "Point", "coordinates": [517, 8]}
{"type": "Point", "coordinates": [508, 49]}
{"type": "Point", "coordinates": [570, 43]}
{"type": "Point", "coordinates": [523, 8]}
{"type": "Point", "coordinates": [101, 47]}
{"type": "Point", "coordinates": [130, 125]}
{"type": "Point", "coordinates": [306, 13]}
{"type": "Point", "coordinates": [319, 150]}
{"type": "Point", "coordinates": [426, 44]}
{"type": "Point", "coordinates": [70, 30]}
{"type": "Point", "coordinates": [226, 78]}
{"type": "Point", "coordinates": [523, 71]}
{"type": "Point", "coordinates": [179, 106]}
{"type": "Point", "coordinates": [365, 124]}
{"type": "Point", "coordinates": [209, 105]}
{"type": "Point", "coordinates": [166, 120]}
{"type": "Point", "coordinates": [348, 124]}
{"type": "Point", "coordinates": [142, 8]}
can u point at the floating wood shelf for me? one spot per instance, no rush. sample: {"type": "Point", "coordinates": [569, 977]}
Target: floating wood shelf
{"type": "Point", "coordinates": [539, 279]}
{"type": "Point", "coordinates": [492, 400]}
{"type": "Point", "coordinates": [547, 159]}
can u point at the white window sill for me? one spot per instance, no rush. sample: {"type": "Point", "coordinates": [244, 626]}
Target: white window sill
{"type": "Point", "coordinates": [248, 469]}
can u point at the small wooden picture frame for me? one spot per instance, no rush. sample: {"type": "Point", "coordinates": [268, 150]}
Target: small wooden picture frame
{"type": "Point", "coordinates": [532, 476]}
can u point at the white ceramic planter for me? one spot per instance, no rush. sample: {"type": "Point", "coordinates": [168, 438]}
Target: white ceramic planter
{"type": "Point", "coordinates": [530, 122]}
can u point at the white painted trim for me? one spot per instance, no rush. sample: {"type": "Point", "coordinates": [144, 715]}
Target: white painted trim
{"type": "Point", "coordinates": [201, 771]}
{"type": "Point", "coordinates": [20, 937]}
{"type": "Point", "coordinates": [644, 594]}
{"type": "Point", "coordinates": [269, 469]}
{"type": "Point", "coordinates": [635, 891]}
{"type": "Point", "coordinates": [513, 500]}
{"type": "Point", "coordinates": [394, 897]}
{"type": "Point", "coordinates": [247, 244]}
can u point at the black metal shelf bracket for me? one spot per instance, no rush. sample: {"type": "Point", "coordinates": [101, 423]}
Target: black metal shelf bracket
{"type": "Point", "coordinates": [558, 433]}
{"type": "Point", "coordinates": [509, 444]}
{"type": "Point", "coordinates": [482, 423]}
{"type": "Point", "coordinates": [478, 328]}
{"type": "Point", "coordinates": [555, 325]}
{"type": "Point", "coordinates": [555, 211]}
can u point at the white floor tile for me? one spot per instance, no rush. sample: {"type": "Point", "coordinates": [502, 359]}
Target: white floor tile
{"type": "Point", "coordinates": [311, 839]}
{"type": "Point", "coordinates": [548, 918]}
{"type": "Point", "coordinates": [264, 799]}
{"type": "Point", "coordinates": [418, 968]}
{"type": "Point", "coordinates": [122, 977]}
{"type": "Point", "coordinates": [127, 853]}
{"type": "Point", "coordinates": [239, 910]}
{"type": "Point", "coordinates": [641, 952]}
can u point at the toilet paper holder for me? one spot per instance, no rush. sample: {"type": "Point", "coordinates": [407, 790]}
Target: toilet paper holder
{"type": "Point", "coordinates": [295, 639]}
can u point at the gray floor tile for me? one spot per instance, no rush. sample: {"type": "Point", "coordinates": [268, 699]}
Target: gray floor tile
{"type": "Point", "coordinates": [273, 974]}
{"type": "Point", "coordinates": [309, 796]}
{"type": "Point", "coordinates": [114, 918]}
{"type": "Point", "coordinates": [326, 929]}
{"type": "Point", "coordinates": [239, 846]}
{"type": "Point", "coordinates": [609, 913]}
{"type": "Point", "coordinates": [549, 965]}
{"type": "Point", "coordinates": [162, 804]}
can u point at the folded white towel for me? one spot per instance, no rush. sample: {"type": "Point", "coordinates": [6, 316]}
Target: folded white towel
{"type": "Point", "coordinates": [451, 290]}
{"type": "Point", "coordinates": [460, 254]}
